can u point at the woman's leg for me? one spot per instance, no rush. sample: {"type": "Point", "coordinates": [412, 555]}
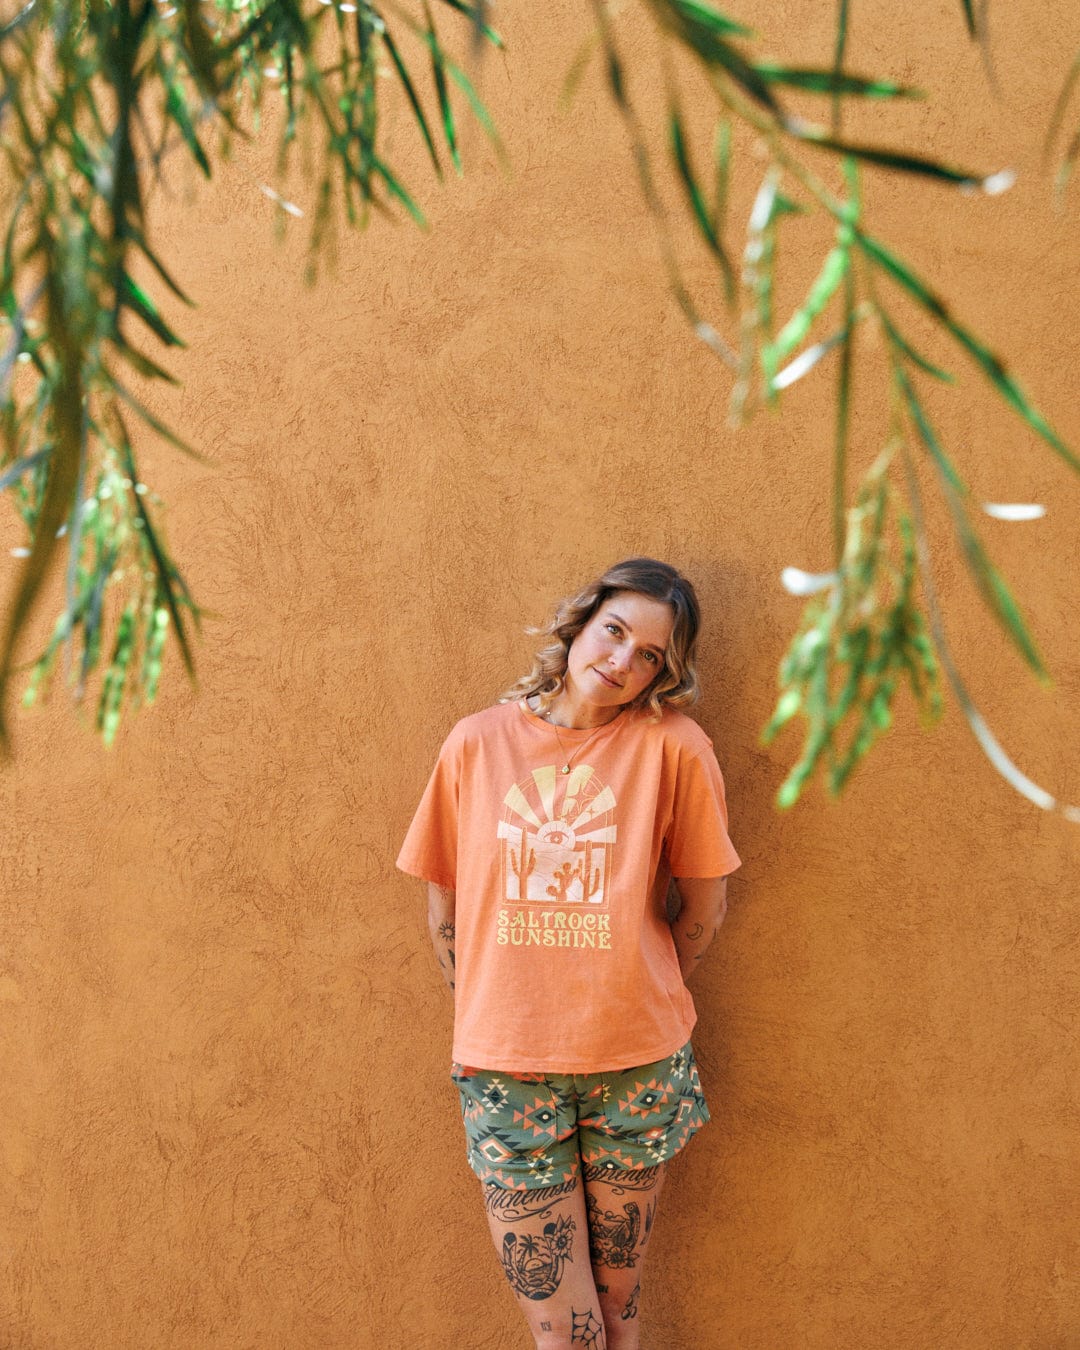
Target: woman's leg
{"type": "Point", "coordinates": [542, 1239]}
{"type": "Point", "coordinates": [621, 1209]}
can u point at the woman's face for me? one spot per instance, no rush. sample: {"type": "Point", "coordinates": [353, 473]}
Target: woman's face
{"type": "Point", "coordinates": [620, 651]}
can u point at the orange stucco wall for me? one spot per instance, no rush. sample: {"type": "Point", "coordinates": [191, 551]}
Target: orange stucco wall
{"type": "Point", "coordinates": [225, 1120]}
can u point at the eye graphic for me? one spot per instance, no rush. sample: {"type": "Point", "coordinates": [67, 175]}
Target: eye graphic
{"type": "Point", "coordinates": [557, 833]}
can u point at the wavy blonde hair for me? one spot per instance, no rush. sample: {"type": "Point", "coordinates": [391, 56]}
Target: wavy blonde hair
{"type": "Point", "coordinates": [676, 683]}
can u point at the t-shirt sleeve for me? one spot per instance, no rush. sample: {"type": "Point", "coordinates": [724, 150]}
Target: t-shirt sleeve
{"type": "Point", "coordinates": [430, 847]}
{"type": "Point", "coordinates": [697, 841]}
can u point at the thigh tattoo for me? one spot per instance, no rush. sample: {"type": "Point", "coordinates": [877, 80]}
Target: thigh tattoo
{"type": "Point", "coordinates": [621, 1180]}
{"type": "Point", "coordinates": [613, 1238]}
{"type": "Point", "coordinates": [513, 1206]}
{"type": "Point", "coordinates": [534, 1265]}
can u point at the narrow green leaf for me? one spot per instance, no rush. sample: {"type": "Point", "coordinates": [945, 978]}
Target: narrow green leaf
{"type": "Point", "coordinates": [787, 705]}
{"type": "Point", "coordinates": [16, 470]}
{"type": "Point", "coordinates": [139, 240]}
{"type": "Point", "coordinates": [140, 362]}
{"type": "Point", "coordinates": [92, 614]}
{"type": "Point", "coordinates": [577, 70]}
{"type": "Point", "coordinates": [927, 434]}
{"type": "Point", "coordinates": [474, 14]}
{"type": "Point", "coordinates": [1057, 116]}
{"type": "Point", "coordinates": [889, 159]}
{"type": "Point", "coordinates": [1072, 153]}
{"type": "Point", "coordinates": [832, 272]}
{"type": "Point", "coordinates": [135, 298]}
{"type": "Point", "coordinates": [63, 473]}
{"type": "Point", "coordinates": [815, 81]}
{"type": "Point", "coordinates": [722, 162]}
{"type": "Point", "coordinates": [989, 581]}
{"type": "Point", "coordinates": [479, 111]}
{"type": "Point", "coordinates": [996, 591]}
{"type": "Point", "coordinates": [702, 30]}
{"type": "Point", "coordinates": [992, 367]}
{"type": "Point", "coordinates": [112, 693]}
{"type": "Point", "coordinates": [418, 111]}
{"type": "Point", "coordinates": [439, 72]}
{"type": "Point", "coordinates": [839, 49]}
{"type": "Point", "coordinates": [156, 423]}
{"type": "Point", "coordinates": [155, 645]}
{"type": "Point", "coordinates": [709, 18]}
{"type": "Point", "coordinates": [176, 108]}
{"type": "Point", "coordinates": [23, 17]}
{"type": "Point", "coordinates": [199, 45]}
{"type": "Point", "coordinates": [167, 572]}
{"type": "Point", "coordinates": [399, 192]}
{"type": "Point", "coordinates": [896, 337]}
{"type": "Point", "coordinates": [969, 17]}
{"type": "Point", "coordinates": [842, 422]}
{"type": "Point", "coordinates": [697, 202]}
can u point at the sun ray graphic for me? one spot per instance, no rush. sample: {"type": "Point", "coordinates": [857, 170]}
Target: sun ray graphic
{"type": "Point", "coordinates": [557, 836]}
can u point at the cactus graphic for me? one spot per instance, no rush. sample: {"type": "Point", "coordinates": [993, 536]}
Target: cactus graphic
{"type": "Point", "coordinates": [523, 865]}
{"type": "Point", "coordinates": [590, 880]}
{"type": "Point", "coordinates": [562, 877]}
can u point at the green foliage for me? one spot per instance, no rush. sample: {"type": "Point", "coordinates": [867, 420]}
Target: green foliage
{"type": "Point", "coordinates": [97, 97]}
{"type": "Point", "coordinates": [856, 644]}
{"type": "Point", "coordinates": [1057, 119]}
{"type": "Point", "coordinates": [855, 629]}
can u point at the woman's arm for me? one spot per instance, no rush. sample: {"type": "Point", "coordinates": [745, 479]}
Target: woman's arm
{"type": "Point", "coordinates": [441, 928]}
{"type": "Point", "coordinates": [704, 904]}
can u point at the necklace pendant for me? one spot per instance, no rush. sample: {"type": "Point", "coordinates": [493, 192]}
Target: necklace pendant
{"type": "Point", "coordinates": [566, 768]}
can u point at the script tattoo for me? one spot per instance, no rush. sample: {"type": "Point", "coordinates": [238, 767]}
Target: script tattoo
{"type": "Point", "coordinates": [534, 1265]}
{"type": "Point", "coordinates": [586, 1330]}
{"type": "Point", "coordinates": [613, 1237]}
{"type": "Point", "coordinates": [513, 1206]}
{"type": "Point", "coordinates": [621, 1180]}
{"type": "Point", "coordinates": [631, 1304]}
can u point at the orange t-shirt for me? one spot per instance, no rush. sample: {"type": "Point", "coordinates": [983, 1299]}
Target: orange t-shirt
{"type": "Point", "coordinates": [565, 962]}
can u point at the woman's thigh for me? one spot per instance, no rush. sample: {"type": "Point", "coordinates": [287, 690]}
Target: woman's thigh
{"type": "Point", "coordinates": [621, 1208]}
{"type": "Point", "coordinates": [542, 1239]}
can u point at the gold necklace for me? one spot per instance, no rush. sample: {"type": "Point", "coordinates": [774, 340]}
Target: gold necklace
{"type": "Point", "coordinates": [584, 743]}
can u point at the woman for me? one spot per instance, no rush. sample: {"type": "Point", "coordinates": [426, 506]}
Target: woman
{"type": "Point", "coordinates": [548, 835]}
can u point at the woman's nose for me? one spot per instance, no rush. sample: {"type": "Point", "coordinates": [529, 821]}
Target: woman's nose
{"type": "Point", "coordinates": [620, 659]}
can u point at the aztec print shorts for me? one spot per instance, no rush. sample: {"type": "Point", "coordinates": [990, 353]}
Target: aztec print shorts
{"type": "Point", "coordinates": [527, 1130]}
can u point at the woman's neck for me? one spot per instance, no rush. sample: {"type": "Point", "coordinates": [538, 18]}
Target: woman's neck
{"type": "Point", "coordinates": [576, 714]}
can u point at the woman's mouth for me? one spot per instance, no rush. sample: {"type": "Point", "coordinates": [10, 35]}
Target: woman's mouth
{"type": "Point", "coordinates": [610, 683]}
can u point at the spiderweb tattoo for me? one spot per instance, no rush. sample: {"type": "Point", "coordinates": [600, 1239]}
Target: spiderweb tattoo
{"type": "Point", "coordinates": [586, 1330]}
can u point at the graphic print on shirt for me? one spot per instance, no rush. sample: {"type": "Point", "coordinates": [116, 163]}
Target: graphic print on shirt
{"type": "Point", "coordinates": [557, 837]}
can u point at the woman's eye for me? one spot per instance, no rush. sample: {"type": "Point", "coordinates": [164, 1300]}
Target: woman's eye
{"type": "Point", "coordinates": [650, 657]}
{"type": "Point", "coordinates": [612, 628]}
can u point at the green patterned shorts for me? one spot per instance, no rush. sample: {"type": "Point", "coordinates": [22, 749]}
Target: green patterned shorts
{"type": "Point", "coordinates": [527, 1130]}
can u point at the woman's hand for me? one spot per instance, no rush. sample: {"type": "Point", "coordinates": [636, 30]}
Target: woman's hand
{"type": "Point", "coordinates": [704, 904]}
{"type": "Point", "coordinates": [441, 928]}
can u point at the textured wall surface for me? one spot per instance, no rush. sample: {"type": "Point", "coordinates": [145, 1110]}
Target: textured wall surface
{"type": "Point", "coordinates": [225, 1121]}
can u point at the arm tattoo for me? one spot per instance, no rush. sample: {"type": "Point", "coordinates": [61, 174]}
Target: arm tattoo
{"type": "Point", "coordinates": [534, 1265]}
{"type": "Point", "coordinates": [513, 1206]}
{"type": "Point", "coordinates": [631, 1304]}
{"type": "Point", "coordinates": [446, 930]}
{"type": "Point", "coordinates": [694, 933]}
